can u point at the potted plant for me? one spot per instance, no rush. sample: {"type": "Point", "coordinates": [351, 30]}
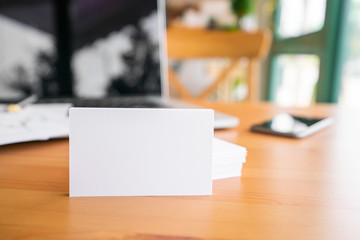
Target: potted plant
{"type": "Point", "coordinates": [242, 8]}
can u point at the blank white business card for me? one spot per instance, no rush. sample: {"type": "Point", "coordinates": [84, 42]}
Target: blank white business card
{"type": "Point", "coordinates": [140, 152]}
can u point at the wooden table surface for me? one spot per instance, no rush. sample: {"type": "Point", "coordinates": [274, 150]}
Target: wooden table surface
{"type": "Point", "coordinates": [289, 189]}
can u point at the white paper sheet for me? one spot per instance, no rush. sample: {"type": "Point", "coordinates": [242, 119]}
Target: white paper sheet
{"type": "Point", "coordinates": [228, 159]}
{"type": "Point", "coordinates": [140, 152]}
{"type": "Point", "coordinates": [35, 123]}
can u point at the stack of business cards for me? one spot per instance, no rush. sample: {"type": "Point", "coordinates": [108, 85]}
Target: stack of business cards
{"type": "Point", "coordinates": [228, 159]}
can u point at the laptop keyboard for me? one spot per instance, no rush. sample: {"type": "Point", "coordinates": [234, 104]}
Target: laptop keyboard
{"type": "Point", "coordinates": [120, 102]}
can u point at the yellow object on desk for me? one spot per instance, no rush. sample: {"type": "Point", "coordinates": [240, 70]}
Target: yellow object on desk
{"type": "Point", "coordinates": [16, 107]}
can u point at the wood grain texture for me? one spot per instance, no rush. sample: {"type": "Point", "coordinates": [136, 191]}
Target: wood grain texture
{"type": "Point", "coordinates": [290, 189]}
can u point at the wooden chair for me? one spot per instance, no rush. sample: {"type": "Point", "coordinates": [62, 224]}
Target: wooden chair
{"type": "Point", "coordinates": [185, 43]}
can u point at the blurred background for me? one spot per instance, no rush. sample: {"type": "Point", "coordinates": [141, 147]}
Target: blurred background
{"type": "Point", "coordinates": [314, 54]}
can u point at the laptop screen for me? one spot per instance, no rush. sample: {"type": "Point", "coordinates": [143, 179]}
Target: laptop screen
{"type": "Point", "coordinates": [83, 48]}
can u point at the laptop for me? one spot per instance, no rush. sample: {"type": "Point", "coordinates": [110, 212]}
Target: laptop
{"type": "Point", "coordinates": [98, 53]}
